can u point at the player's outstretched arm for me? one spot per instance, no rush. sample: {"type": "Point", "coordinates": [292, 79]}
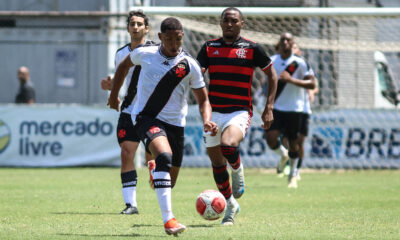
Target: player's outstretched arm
{"type": "Point", "coordinates": [267, 117]}
{"type": "Point", "coordinates": [118, 80]}
{"type": "Point", "coordinates": [106, 83]}
{"type": "Point", "coordinates": [205, 110]}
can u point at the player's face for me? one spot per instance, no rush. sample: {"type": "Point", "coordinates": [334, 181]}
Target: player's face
{"type": "Point", "coordinates": [171, 42]}
{"type": "Point", "coordinates": [231, 23]}
{"type": "Point", "coordinates": [136, 28]}
{"type": "Point", "coordinates": [286, 42]}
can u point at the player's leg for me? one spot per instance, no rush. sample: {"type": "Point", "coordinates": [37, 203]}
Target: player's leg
{"type": "Point", "coordinates": [291, 131]}
{"type": "Point", "coordinates": [151, 165]}
{"type": "Point", "coordinates": [272, 136]}
{"type": "Point", "coordinates": [230, 139]}
{"type": "Point", "coordinates": [128, 142]}
{"type": "Point", "coordinates": [221, 178]}
{"type": "Point", "coordinates": [154, 134]}
{"type": "Point", "coordinates": [301, 138]}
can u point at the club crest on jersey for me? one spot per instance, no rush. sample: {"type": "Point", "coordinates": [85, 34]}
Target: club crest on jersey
{"type": "Point", "coordinates": [292, 67]}
{"type": "Point", "coordinates": [180, 70]}
{"type": "Point", "coordinates": [154, 129]}
{"type": "Point", "coordinates": [241, 53]}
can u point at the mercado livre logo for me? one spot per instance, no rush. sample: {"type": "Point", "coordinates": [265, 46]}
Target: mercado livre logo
{"type": "Point", "coordinates": [5, 136]}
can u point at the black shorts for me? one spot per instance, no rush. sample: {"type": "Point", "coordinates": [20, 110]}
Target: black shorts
{"type": "Point", "coordinates": [126, 131]}
{"type": "Point", "coordinates": [305, 121]}
{"type": "Point", "coordinates": [288, 123]}
{"type": "Point", "coordinates": [149, 128]}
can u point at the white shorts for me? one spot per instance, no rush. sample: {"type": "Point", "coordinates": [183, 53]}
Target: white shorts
{"type": "Point", "coordinates": [240, 119]}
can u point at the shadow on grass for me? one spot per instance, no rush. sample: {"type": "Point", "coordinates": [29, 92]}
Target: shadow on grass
{"type": "Point", "coordinates": [109, 235]}
{"type": "Point", "coordinates": [83, 213]}
{"type": "Point", "coordinates": [201, 226]}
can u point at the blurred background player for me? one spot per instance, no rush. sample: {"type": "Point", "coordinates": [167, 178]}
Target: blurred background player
{"type": "Point", "coordinates": [26, 92]}
{"type": "Point", "coordinates": [231, 61]}
{"type": "Point", "coordinates": [304, 128]}
{"type": "Point", "coordinates": [137, 27]}
{"type": "Point", "coordinates": [160, 111]}
{"type": "Point", "coordinates": [294, 78]}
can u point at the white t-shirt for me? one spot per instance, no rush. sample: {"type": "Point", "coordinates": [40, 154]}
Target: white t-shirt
{"type": "Point", "coordinates": [291, 98]}
{"type": "Point", "coordinates": [164, 84]}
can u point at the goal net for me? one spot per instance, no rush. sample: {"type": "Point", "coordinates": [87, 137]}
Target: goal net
{"type": "Point", "coordinates": [355, 54]}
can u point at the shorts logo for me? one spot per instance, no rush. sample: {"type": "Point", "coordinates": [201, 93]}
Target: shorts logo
{"type": "Point", "coordinates": [121, 133]}
{"type": "Point", "coordinates": [154, 130]}
{"type": "Point", "coordinates": [180, 70]}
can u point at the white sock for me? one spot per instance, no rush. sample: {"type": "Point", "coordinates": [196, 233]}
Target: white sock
{"type": "Point", "coordinates": [281, 151]}
{"type": "Point", "coordinates": [129, 194]}
{"type": "Point", "coordinates": [293, 165]}
{"type": "Point", "coordinates": [164, 196]}
{"type": "Point", "coordinates": [230, 200]}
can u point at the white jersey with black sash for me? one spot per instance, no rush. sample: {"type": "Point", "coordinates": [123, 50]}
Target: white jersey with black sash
{"type": "Point", "coordinates": [130, 82]}
{"type": "Point", "coordinates": [289, 97]}
{"type": "Point", "coordinates": [164, 84]}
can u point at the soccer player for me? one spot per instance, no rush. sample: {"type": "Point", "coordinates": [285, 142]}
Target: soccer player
{"type": "Point", "coordinates": [137, 27]}
{"type": "Point", "coordinates": [231, 61]}
{"type": "Point", "coordinates": [160, 111]}
{"type": "Point", "coordinates": [303, 131]}
{"type": "Point", "coordinates": [295, 77]}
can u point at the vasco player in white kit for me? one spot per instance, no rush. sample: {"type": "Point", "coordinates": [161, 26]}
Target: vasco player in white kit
{"type": "Point", "coordinates": [295, 77]}
{"type": "Point", "coordinates": [160, 111]}
{"type": "Point", "coordinates": [137, 27]}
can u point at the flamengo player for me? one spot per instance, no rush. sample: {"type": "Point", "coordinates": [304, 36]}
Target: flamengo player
{"type": "Point", "coordinates": [160, 111]}
{"type": "Point", "coordinates": [231, 61]}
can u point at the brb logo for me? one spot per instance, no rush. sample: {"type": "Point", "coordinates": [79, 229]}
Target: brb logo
{"type": "Point", "coordinates": [5, 136]}
{"type": "Point", "coordinates": [326, 142]}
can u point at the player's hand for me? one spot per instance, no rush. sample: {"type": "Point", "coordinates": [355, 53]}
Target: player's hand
{"type": "Point", "coordinates": [106, 84]}
{"type": "Point", "coordinates": [285, 77]}
{"type": "Point", "coordinates": [267, 118]}
{"type": "Point", "coordinates": [113, 102]}
{"type": "Point", "coordinates": [211, 127]}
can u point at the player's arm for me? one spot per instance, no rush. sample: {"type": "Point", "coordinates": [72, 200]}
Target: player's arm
{"type": "Point", "coordinates": [106, 83]}
{"type": "Point", "coordinates": [205, 110]}
{"type": "Point", "coordinates": [267, 115]}
{"type": "Point", "coordinates": [118, 80]}
{"type": "Point", "coordinates": [307, 82]}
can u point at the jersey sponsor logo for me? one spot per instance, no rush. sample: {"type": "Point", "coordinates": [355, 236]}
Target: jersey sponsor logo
{"type": "Point", "coordinates": [5, 136]}
{"type": "Point", "coordinates": [154, 129]}
{"type": "Point", "coordinates": [243, 44]}
{"type": "Point", "coordinates": [241, 53]}
{"type": "Point", "coordinates": [215, 44]}
{"type": "Point", "coordinates": [180, 70]}
{"type": "Point", "coordinates": [121, 133]}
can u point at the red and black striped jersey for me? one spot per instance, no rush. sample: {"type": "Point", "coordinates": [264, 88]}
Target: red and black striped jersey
{"type": "Point", "coordinates": [231, 69]}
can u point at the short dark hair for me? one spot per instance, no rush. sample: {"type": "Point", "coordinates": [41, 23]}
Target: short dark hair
{"type": "Point", "coordinates": [170, 23]}
{"type": "Point", "coordinates": [137, 13]}
{"type": "Point", "coordinates": [232, 9]}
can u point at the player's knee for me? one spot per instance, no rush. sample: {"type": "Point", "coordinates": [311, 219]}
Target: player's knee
{"type": "Point", "coordinates": [293, 154]}
{"type": "Point", "coordinates": [163, 162]}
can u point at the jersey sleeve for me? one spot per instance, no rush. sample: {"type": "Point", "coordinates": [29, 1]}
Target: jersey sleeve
{"type": "Point", "coordinates": [202, 56]}
{"type": "Point", "coordinates": [261, 58]}
{"type": "Point", "coordinates": [196, 76]}
{"type": "Point", "coordinates": [306, 68]}
{"type": "Point", "coordinates": [136, 55]}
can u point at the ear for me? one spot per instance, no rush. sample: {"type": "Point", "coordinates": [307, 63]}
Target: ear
{"type": "Point", "coordinates": [147, 29]}
{"type": "Point", "coordinates": [160, 36]}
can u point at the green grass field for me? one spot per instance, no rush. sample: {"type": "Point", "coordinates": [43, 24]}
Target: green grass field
{"type": "Point", "coordinates": [83, 203]}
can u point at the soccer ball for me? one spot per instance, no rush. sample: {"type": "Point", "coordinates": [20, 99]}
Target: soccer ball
{"type": "Point", "coordinates": [211, 204]}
